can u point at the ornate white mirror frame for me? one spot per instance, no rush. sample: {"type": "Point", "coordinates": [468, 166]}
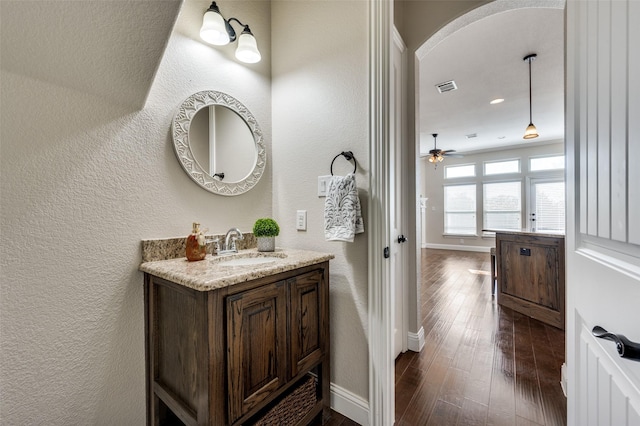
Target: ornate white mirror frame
{"type": "Point", "coordinates": [181, 143]}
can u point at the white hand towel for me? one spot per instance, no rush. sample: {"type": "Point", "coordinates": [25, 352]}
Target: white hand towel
{"type": "Point", "coordinates": [342, 212]}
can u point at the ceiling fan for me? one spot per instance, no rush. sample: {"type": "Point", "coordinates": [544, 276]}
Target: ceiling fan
{"type": "Point", "coordinates": [437, 155]}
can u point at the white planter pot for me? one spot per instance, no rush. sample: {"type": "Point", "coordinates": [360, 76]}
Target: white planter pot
{"type": "Point", "coordinates": [266, 243]}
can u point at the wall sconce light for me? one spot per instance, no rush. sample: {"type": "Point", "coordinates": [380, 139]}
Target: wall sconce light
{"type": "Point", "coordinates": [218, 31]}
{"type": "Point", "coordinates": [531, 131]}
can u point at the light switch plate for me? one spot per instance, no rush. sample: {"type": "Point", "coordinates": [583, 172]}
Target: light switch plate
{"type": "Point", "coordinates": [301, 220]}
{"type": "Point", "coordinates": [323, 184]}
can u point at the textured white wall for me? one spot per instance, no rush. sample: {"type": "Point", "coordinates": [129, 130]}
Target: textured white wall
{"type": "Point", "coordinates": [111, 50]}
{"type": "Point", "coordinates": [432, 186]}
{"type": "Point", "coordinates": [83, 180]}
{"type": "Point", "coordinates": [320, 108]}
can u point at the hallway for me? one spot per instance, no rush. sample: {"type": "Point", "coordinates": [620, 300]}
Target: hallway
{"type": "Point", "coordinates": [482, 364]}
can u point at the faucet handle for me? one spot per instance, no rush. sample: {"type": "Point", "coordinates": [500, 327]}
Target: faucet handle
{"type": "Point", "coordinates": [216, 245]}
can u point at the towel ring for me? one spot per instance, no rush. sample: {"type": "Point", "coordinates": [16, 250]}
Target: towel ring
{"type": "Point", "coordinates": [349, 156]}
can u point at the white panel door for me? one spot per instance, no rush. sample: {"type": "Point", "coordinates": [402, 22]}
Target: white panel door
{"type": "Point", "coordinates": [398, 238]}
{"type": "Point", "coordinates": [546, 205]}
{"type": "Point", "coordinates": [603, 209]}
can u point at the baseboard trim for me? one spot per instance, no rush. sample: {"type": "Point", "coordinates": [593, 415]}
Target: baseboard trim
{"type": "Point", "coordinates": [415, 341]}
{"type": "Point", "coordinates": [349, 405]}
{"type": "Point", "coordinates": [456, 247]}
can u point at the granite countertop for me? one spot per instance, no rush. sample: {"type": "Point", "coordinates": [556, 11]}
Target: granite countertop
{"type": "Point", "coordinates": [211, 274]}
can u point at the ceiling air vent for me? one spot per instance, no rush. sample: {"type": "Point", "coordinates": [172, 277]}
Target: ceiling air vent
{"type": "Point", "coordinates": [447, 86]}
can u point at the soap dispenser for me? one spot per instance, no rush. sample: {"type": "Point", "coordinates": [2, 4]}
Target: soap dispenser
{"type": "Point", "coordinates": [196, 246]}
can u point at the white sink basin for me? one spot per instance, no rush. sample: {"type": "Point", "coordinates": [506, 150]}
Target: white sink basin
{"type": "Point", "coordinates": [248, 261]}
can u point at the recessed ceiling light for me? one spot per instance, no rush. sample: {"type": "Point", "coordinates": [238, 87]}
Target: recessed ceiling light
{"type": "Point", "coordinates": [501, 137]}
{"type": "Point", "coordinates": [496, 101]}
{"type": "Point", "coordinates": [471, 135]}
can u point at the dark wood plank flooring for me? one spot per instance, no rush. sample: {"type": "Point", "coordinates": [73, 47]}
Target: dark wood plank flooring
{"type": "Point", "coordinates": [482, 364]}
{"type": "Point", "coordinates": [336, 419]}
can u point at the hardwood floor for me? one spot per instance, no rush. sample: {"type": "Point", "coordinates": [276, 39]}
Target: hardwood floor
{"type": "Point", "coordinates": [482, 364]}
{"type": "Point", "coordinates": [336, 419]}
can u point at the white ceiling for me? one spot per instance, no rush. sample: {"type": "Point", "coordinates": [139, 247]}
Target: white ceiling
{"type": "Point", "coordinates": [485, 59]}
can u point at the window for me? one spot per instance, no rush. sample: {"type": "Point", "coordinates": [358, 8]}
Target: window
{"type": "Point", "coordinates": [537, 164]}
{"type": "Point", "coordinates": [501, 167]}
{"type": "Point", "coordinates": [460, 209]}
{"type": "Point", "coordinates": [467, 170]}
{"type": "Point", "coordinates": [502, 205]}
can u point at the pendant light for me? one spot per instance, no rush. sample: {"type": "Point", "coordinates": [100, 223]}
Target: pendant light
{"type": "Point", "coordinates": [531, 131]}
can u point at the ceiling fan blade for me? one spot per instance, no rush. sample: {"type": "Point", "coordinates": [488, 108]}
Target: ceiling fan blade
{"type": "Point", "coordinates": [453, 155]}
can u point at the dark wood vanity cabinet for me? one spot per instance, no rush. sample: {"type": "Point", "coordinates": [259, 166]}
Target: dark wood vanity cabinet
{"type": "Point", "coordinates": [228, 356]}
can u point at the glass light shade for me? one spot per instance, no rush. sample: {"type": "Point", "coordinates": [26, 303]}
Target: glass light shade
{"type": "Point", "coordinates": [247, 50]}
{"type": "Point", "coordinates": [531, 132]}
{"type": "Point", "coordinates": [213, 29]}
{"type": "Point", "coordinates": [433, 159]}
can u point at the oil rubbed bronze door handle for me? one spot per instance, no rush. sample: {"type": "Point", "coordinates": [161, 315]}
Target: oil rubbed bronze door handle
{"type": "Point", "coordinates": [626, 348]}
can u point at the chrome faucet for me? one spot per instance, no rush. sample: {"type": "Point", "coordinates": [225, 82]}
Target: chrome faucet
{"type": "Point", "coordinates": [230, 241]}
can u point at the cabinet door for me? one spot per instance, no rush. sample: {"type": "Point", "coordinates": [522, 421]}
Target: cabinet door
{"type": "Point", "coordinates": [256, 336]}
{"type": "Point", "coordinates": [308, 294]}
{"type": "Point", "coordinates": [531, 276]}
{"type": "Point", "coordinates": [531, 273]}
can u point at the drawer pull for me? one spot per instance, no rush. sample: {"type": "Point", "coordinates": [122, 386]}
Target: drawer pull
{"type": "Point", "coordinates": [626, 348]}
{"type": "Point", "coordinates": [525, 252]}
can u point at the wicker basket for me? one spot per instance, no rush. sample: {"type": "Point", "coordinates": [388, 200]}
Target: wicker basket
{"type": "Point", "coordinates": [293, 407]}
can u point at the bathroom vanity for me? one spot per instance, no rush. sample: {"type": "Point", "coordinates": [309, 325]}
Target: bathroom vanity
{"type": "Point", "coordinates": [230, 343]}
{"type": "Point", "coordinates": [531, 274]}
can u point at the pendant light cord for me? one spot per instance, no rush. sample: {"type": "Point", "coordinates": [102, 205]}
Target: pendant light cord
{"type": "Point", "coordinates": [530, 113]}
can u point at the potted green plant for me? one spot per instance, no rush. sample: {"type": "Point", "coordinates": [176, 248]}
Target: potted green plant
{"type": "Point", "coordinates": [266, 230]}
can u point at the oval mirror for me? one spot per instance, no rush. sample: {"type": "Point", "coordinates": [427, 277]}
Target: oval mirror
{"type": "Point", "coordinates": [219, 143]}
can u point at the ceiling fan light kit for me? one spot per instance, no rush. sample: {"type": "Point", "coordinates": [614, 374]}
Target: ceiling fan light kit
{"type": "Point", "coordinates": [531, 132]}
{"type": "Point", "coordinates": [436, 158]}
{"type": "Point", "coordinates": [437, 155]}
